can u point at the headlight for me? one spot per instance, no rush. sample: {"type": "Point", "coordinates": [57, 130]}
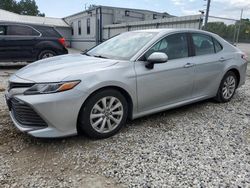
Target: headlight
{"type": "Point", "coordinates": [48, 88]}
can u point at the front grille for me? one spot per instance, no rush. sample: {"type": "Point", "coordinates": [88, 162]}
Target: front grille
{"type": "Point", "coordinates": [13, 85]}
{"type": "Point", "coordinates": [25, 115]}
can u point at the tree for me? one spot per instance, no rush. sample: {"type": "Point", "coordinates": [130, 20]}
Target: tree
{"type": "Point", "coordinates": [10, 5]}
{"type": "Point", "coordinates": [228, 32]}
{"type": "Point", "coordinates": [24, 7]}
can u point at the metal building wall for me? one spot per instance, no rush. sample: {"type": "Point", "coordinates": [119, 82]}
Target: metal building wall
{"type": "Point", "coordinates": [99, 17]}
{"type": "Point", "coordinates": [194, 22]}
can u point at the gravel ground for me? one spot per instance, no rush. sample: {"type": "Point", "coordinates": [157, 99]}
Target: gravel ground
{"type": "Point", "coordinates": [201, 145]}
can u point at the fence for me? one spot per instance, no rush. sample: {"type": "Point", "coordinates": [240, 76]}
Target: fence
{"type": "Point", "coordinates": [194, 21]}
{"type": "Point", "coordinates": [231, 30]}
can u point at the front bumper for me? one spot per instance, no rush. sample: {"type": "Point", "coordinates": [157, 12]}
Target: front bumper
{"type": "Point", "coordinates": [59, 111]}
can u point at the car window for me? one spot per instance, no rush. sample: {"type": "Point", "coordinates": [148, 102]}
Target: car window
{"type": "Point", "coordinates": [217, 46]}
{"type": "Point", "coordinates": [2, 30]}
{"type": "Point", "coordinates": [48, 31]}
{"type": "Point", "coordinates": [203, 44]}
{"type": "Point", "coordinates": [175, 46]}
{"type": "Point", "coordinates": [19, 30]}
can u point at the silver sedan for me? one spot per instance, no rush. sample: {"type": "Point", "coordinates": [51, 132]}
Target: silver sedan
{"type": "Point", "coordinates": [129, 76]}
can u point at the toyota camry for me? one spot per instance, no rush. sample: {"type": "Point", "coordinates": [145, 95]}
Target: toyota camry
{"type": "Point", "coordinates": [128, 76]}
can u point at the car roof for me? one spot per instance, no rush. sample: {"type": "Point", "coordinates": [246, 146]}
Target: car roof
{"type": "Point", "coordinates": [25, 24]}
{"type": "Point", "coordinates": [172, 30]}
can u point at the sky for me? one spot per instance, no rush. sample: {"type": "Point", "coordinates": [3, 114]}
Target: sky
{"type": "Point", "coordinates": [220, 8]}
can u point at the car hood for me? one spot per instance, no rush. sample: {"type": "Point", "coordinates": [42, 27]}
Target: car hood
{"type": "Point", "coordinates": [58, 68]}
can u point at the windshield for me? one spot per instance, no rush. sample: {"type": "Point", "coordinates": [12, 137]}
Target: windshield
{"type": "Point", "coordinates": [123, 46]}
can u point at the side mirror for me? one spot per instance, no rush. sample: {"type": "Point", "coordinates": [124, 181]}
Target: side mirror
{"type": "Point", "coordinates": [156, 57]}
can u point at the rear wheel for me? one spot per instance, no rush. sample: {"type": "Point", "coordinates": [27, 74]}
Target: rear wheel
{"type": "Point", "coordinates": [103, 114]}
{"type": "Point", "coordinates": [46, 54]}
{"type": "Point", "coordinates": [227, 88]}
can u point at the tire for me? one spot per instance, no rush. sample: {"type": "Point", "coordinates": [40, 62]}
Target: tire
{"type": "Point", "coordinates": [46, 54]}
{"type": "Point", "coordinates": [98, 122]}
{"type": "Point", "coordinates": [228, 83]}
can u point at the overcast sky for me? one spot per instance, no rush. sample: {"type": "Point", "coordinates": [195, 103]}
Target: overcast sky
{"type": "Point", "coordinates": [221, 8]}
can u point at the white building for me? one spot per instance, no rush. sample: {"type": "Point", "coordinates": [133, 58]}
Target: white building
{"type": "Point", "coordinates": [87, 26]}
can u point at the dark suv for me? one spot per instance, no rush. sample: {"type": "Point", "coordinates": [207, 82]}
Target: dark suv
{"type": "Point", "coordinates": [25, 42]}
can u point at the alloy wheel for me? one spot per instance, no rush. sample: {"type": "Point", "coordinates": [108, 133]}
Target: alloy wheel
{"type": "Point", "coordinates": [47, 55]}
{"type": "Point", "coordinates": [229, 87]}
{"type": "Point", "coordinates": [106, 114]}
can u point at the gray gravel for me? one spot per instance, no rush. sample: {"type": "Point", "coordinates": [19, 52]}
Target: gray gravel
{"type": "Point", "coordinates": [201, 145]}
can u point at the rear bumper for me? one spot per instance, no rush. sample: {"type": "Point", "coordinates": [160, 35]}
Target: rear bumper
{"type": "Point", "coordinates": [243, 73]}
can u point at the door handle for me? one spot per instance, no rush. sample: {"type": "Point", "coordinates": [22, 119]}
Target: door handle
{"type": "Point", "coordinates": [222, 59]}
{"type": "Point", "coordinates": [188, 65]}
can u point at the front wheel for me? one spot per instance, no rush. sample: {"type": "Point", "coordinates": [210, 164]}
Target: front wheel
{"type": "Point", "coordinates": [103, 114]}
{"type": "Point", "coordinates": [227, 87]}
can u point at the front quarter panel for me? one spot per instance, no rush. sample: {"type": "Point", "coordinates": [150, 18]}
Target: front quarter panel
{"type": "Point", "coordinates": [120, 75]}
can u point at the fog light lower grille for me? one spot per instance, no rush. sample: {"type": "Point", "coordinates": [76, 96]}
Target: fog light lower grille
{"type": "Point", "coordinates": [25, 115]}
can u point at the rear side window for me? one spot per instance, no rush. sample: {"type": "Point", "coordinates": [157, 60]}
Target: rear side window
{"type": "Point", "coordinates": [48, 31]}
{"type": "Point", "coordinates": [217, 46]}
{"type": "Point", "coordinates": [203, 44]}
{"type": "Point", "coordinates": [2, 30]}
{"type": "Point", "coordinates": [19, 30]}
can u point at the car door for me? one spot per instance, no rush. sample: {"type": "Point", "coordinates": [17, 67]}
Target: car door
{"type": "Point", "coordinates": [209, 62]}
{"type": "Point", "coordinates": [169, 82]}
{"type": "Point", "coordinates": [2, 42]}
{"type": "Point", "coordinates": [20, 41]}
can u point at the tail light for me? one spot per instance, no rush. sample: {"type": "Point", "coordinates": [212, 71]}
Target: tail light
{"type": "Point", "coordinates": [244, 56]}
{"type": "Point", "coordinates": [62, 42]}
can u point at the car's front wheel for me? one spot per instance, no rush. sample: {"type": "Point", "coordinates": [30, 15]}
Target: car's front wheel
{"type": "Point", "coordinates": [103, 114]}
{"type": "Point", "coordinates": [227, 87]}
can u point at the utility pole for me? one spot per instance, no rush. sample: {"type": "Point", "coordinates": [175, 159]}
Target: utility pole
{"type": "Point", "coordinates": [238, 32]}
{"type": "Point", "coordinates": [207, 12]}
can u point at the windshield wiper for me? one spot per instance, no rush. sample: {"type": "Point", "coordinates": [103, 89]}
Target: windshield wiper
{"type": "Point", "coordinates": [100, 56]}
{"type": "Point", "coordinates": [85, 52]}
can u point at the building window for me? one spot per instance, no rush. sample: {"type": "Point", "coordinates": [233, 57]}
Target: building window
{"type": "Point", "coordinates": [88, 26]}
{"type": "Point", "coordinates": [79, 27]}
{"type": "Point", "coordinates": [127, 13]}
{"type": "Point", "coordinates": [72, 28]}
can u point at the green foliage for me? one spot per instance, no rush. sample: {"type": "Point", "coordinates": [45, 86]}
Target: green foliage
{"type": "Point", "coordinates": [23, 7]}
{"type": "Point", "coordinates": [229, 32]}
{"type": "Point", "coordinates": [10, 5]}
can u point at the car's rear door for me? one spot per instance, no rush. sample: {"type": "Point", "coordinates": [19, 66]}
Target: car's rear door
{"type": "Point", "coordinates": [20, 41]}
{"type": "Point", "coordinates": [169, 82]}
{"type": "Point", "coordinates": [209, 61]}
